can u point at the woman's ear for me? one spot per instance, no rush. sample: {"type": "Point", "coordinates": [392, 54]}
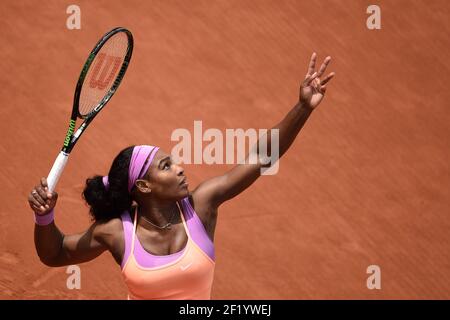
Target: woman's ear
{"type": "Point", "coordinates": [143, 186]}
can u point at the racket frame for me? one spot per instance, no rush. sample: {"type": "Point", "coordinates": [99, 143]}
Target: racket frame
{"type": "Point", "coordinates": [72, 136]}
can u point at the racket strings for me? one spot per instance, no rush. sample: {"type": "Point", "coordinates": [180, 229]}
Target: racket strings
{"type": "Point", "coordinates": [103, 72]}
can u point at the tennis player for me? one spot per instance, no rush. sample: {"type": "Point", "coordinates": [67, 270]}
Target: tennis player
{"type": "Point", "coordinates": [160, 233]}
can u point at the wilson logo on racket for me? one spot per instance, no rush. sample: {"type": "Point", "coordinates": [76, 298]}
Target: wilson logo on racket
{"type": "Point", "coordinates": [104, 63]}
{"type": "Point", "coordinates": [69, 132]}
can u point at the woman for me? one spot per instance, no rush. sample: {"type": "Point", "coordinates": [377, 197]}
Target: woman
{"type": "Point", "coordinates": [144, 215]}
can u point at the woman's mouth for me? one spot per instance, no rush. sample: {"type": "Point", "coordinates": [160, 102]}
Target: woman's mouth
{"type": "Point", "coordinates": [184, 183]}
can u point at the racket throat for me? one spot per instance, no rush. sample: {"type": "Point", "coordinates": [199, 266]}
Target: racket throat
{"type": "Point", "coordinates": [78, 133]}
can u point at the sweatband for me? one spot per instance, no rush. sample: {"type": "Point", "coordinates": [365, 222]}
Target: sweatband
{"type": "Point", "coordinates": [45, 219]}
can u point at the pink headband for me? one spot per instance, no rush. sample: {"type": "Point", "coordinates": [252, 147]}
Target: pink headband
{"type": "Point", "coordinates": [137, 169]}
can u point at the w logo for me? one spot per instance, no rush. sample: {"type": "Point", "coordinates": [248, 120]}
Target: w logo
{"type": "Point", "coordinates": [104, 70]}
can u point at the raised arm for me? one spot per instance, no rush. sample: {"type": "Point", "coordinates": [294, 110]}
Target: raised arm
{"type": "Point", "coordinates": [217, 190]}
{"type": "Point", "coordinates": [53, 247]}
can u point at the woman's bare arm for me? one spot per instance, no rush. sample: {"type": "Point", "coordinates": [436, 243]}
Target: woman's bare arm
{"type": "Point", "coordinates": [56, 249]}
{"type": "Point", "coordinates": [217, 190]}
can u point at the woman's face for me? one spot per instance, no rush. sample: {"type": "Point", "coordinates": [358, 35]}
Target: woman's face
{"type": "Point", "coordinates": [167, 179]}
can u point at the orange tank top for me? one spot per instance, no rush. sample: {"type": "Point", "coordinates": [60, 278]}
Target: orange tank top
{"type": "Point", "coordinates": [188, 277]}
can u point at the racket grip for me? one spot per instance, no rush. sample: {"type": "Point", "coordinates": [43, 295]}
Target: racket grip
{"type": "Point", "coordinates": [56, 170]}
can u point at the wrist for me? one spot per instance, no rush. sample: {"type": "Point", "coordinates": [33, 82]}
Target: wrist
{"type": "Point", "coordinates": [304, 106]}
{"type": "Point", "coordinates": [45, 219]}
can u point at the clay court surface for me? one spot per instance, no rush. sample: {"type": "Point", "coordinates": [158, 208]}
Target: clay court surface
{"type": "Point", "coordinates": [365, 183]}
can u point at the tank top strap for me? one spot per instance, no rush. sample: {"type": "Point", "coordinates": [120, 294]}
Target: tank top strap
{"type": "Point", "coordinates": [133, 235]}
{"type": "Point", "coordinates": [127, 225]}
{"type": "Point", "coordinates": [180, 209]}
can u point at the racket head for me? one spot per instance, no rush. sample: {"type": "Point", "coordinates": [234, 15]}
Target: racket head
{"type": "Point", "coordinates": [102, 72]}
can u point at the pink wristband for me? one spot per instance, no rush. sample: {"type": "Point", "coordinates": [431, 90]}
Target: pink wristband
{"type": "Point", "coordinates": [45, 219]}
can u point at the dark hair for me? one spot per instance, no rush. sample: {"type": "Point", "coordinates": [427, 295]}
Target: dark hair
{"type": "Point", "coordinates": [106, 204]}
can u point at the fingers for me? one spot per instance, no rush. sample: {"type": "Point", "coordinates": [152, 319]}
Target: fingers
{"type": "Point", "coordinates": [309, 78]}
{"type": "Point", "coordinates": [324, 65]}
{"type": "Point", "coordinates": [44, 183]}
{"type": "Point", "coordinates": [34, 202]}
{"type": "Point", "coordinates": [42, 193]}
{"type": "Point", "coordinates": [45, 187]}
{"type": "Point", "coordinates": [327, 78]}
{"type": "Point", "coordinates": [40, 196]}
{"type": "Point", "coordinates": [312, 65]}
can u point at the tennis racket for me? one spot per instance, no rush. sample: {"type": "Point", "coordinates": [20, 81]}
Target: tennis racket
{"type": "Point", "coordinates": [99, 79]}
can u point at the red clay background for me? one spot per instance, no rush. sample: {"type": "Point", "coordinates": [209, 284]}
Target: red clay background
{"type": "Point", "coordinates": [366, 182]}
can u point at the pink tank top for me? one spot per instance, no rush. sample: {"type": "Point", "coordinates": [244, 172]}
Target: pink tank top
{"type": "Point", "coordinates": [188, 275]}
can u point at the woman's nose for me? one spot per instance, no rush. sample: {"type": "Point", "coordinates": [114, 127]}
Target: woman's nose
{"type": "Point", "coordinates": [180, 170]}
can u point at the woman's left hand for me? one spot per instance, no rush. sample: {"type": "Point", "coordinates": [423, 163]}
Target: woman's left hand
{"type": "Point", "coordinates": [313, 88]}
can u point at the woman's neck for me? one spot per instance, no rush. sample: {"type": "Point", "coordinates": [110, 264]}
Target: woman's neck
{"type": "Point", "coordinates": [156, 215]}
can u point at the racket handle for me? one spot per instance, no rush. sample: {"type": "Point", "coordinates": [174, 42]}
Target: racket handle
{"type": "Point", "coordinates": [56, 170]}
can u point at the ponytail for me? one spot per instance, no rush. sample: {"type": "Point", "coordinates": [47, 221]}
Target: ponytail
{"type": "Point", "coordinates": [108, 203]}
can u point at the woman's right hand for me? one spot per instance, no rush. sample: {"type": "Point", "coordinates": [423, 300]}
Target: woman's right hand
{"type": "Point", "coordinates": [41, 200]}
